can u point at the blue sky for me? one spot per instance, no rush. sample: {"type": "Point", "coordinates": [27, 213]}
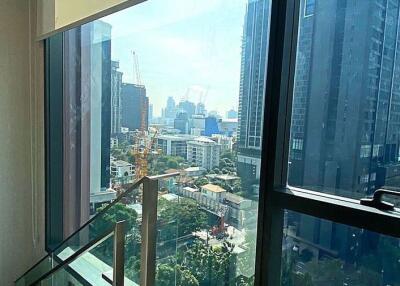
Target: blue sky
{"type": "Point", "coordinates": [184, 47]}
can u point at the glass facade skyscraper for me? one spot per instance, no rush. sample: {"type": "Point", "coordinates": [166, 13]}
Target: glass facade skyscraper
{"type": "Point", "coordinates": [251, 92]}
{"type": "Point", "coordinates": [346, 97]}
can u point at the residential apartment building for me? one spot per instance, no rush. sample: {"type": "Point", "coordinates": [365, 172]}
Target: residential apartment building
{"type": "Point", "coordinates": [203, 152]}
{"type": "Point", "coordinates": [174, 145]}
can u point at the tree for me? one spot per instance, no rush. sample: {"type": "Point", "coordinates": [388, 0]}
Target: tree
{"type": "Point", "coordinates": [201, 181]}
{"type": "Point", "coordinates": [164, 162]}
{"type": "Point", "coordinates": [106, 221]}
{"type": "Point", "coordinates": [167, 273]}
{"type": "Point", "coordinates": [229, 155]}
{"type": "Point", "coordinates": [211, 265]}
{"type": "Point", "coordinates": [184, 214]}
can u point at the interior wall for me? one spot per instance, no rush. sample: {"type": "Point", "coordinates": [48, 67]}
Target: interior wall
{"type": "Point", "coordinates": [21, 141]}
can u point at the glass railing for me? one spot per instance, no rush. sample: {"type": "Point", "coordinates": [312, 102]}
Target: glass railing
{"type": "Point", "coordinates": [171, 237]}
{"type": "Point", "coordinates": [84, 263]}
{"type": "Point", "coordinates": [136, 207]}
{"type": "Point", "coordinates": [124, 208]}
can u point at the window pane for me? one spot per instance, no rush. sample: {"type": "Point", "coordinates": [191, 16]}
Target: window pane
{"type": "Point", "coordinates": [320, 252]}
{"type": "Point", "coordinates": [345, 129]}
{"type": "Point", "coordinates": [154, 89]}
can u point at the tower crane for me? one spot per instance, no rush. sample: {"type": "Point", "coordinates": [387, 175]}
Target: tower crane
{"type": "Point", "coordinates": [143, 143]}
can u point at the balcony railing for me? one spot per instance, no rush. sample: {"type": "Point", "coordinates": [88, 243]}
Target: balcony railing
{"type": "Point", "coordinates": [91, 255]}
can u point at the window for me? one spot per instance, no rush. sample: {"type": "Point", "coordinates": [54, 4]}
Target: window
{"type": "Point", "coordinates": [281, 193]}
{"type": "Point", "coordinates": [336, 256]}
{"type": "Point", "coordinates": [312, 207]}
{"type": "Point", "coordinates": [135, 84]}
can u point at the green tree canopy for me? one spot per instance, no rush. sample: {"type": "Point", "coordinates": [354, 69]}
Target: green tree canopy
{"type": "Point", "coordinates": [184, 214]}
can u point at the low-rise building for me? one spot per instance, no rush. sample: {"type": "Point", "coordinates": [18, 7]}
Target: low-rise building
{"type": "Point", "coordinates": [174, 145]}
{"type": "Point", "coordinates": [203, 152]}
{"type": "Point", "coordinates": [226, 142]}
{"type": "Point", "coordinates": [194, 171]}
{"type": "Point", "coordinates": [214, 192]}
{"type": "Point", "coordinates": [120, 168]}
{"type": "Point", "coordinates": [238, 208]}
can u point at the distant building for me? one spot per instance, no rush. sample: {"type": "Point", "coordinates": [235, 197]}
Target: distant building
{"type": "Point", "coordinates": [174, 145]}
{"type": "Point", "coordinates": [188, 107]}
{"type": "Point", "coordinates": [122, 168]}
{"type": "Point", "coordinates": [204, 126]}
{"type": "Point", "coordinates": [122, 172]}
{"type": "Point", "coordinates": [214, 113]}
{"type": "Point", "coordinates": [181, 123]}
{"type": "Point", "coordinates": [232, 114]}
{"type": "Point", "coordinates": [116, 103]}
{"type": "Point", "coordinates": [211, 126]}
{"type": "Point", "coordinates": [170, 110]}
{"type": "Point", "coordinates": [135, 104]}
{"type": "Point", "coordinates": [194, 171]}
{"type": "Point", "coordinates": [214, 192]}
{"type": "Point", "coordinates": [228, 127]}
{"type": "Point", "coordinates": [198, 124]}
{"type": "Point", "coordinates": [150, 113]}
{"type": "Point", "coordinates": [226, 142]}
{"type": "Point", "coordinates": [201, 109]}
{"type": "Point", "coordinates": [203, 152]}
{"type": "Point", "coordinates": [239, 209]}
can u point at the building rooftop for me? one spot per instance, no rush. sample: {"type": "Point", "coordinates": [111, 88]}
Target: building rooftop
{"type": "Point", "coordinates": [213, 188]}
{"type": "Point", "coordinates": [176, 137]}
{"type": "Point", "coordinates": [226, 177]}
{"type": "Point", "coordinates": [189, 189]}
{"type": "Point", "coordinates": [235, 198]}
{"type": "Point", "coordinates": [121, 163]}
{"type": "Point", "coordinates": [171, 171]}
{"type": "Point", "coordinates": [203, 139]}
{"type": "Point", "coordinates": [195, 169]}
{"type": "Point", "coordinates": [170, 197]}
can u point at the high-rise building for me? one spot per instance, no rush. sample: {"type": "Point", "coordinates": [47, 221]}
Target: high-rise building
{"type": "Point", "coordinates": [87, 113]}
{"type": "Point", "coordinates": [135, 106]}
{"type": "Point", "coordinates": [201, 108]}
{"type": "Point", "coordinates": [345, 133]}
{"type": "Point", "coordinates": [174, 145]}
{"type": "Point", "coordinates": [203, 152]}
{"type": "Point", "coordinates": [116, 106]}
{"type": "Point", "coordinates": [188, 107]}
{"type": "Point", "coordinates": [232, 114]}
{"type": "Point", "coordinates": [150, 112]}
{"type": "Point", "coordinates": [170, 110]}
{"type": "Point", "coordinates": [251, 92]}
{"type": "Point", "coordinates": [181, 122]}
{"type": "Point", "coordinates": [352, 109]}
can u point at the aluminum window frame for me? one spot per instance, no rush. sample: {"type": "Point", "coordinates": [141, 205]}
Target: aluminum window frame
{"type": "Point", "coordinates": [275, 195]}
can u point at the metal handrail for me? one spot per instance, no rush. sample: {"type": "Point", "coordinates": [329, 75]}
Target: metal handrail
{"type": "Point", "coordinates": [118, 241]}
{"type": "Point", "coordinates": [119, 198]}
{"type": "Point", "coordinates": [149, 218]}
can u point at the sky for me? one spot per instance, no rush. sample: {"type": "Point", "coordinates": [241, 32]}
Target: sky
{"type": "Point", "coordinates": [185, 49]}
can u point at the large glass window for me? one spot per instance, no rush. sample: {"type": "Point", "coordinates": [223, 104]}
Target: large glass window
{"type": "Point", "coordinates": [154, 89]}
{"type": "Point", "coordinates": [345, 256]}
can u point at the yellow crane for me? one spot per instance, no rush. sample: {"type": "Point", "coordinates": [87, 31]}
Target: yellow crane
{"type": "Point", "coordinates": [143, 143]}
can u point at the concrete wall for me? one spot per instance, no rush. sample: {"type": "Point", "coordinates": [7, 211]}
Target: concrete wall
{"type": "Point", "coordinates": [21, 142]}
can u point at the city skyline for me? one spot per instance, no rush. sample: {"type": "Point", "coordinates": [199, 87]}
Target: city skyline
{"type": "Point", "coordinates": [205, 61]}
